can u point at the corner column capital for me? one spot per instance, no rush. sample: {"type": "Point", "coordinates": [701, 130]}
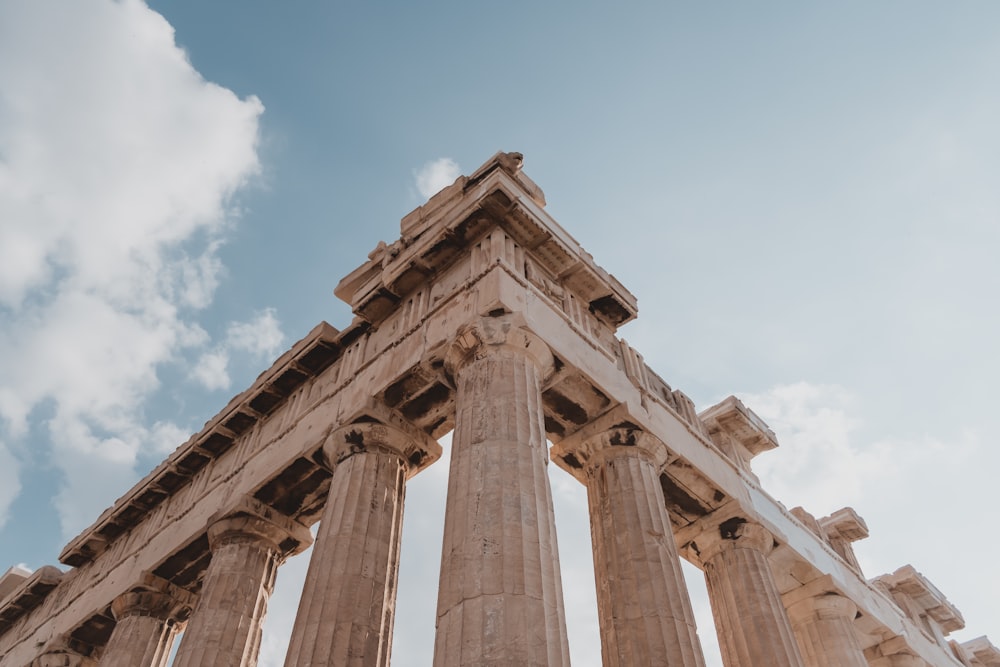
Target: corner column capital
{"type": "Point", "coordinates": [488, 335]}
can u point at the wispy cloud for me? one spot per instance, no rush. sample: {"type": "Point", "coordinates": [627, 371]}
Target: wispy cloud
{"type": "Point", "coordinates": [259, 337]}
{"type": "Point", "coordinates": [435, 175]}
{"type": "Point", "coordinates": [117, 164]}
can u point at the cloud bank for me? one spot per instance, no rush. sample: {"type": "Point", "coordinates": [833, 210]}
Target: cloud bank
{"type": "Point", "coordinates": [118, 163]}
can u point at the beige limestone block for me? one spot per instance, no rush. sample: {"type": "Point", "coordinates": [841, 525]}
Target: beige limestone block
{"type": "Point", "coordinates": [225, 628]}
{"type": "Point", "coordinates": [643, 604]}
{"type": "Point", "coordinates": [348, 601]}
{"type": "Point", "coordinates": [750, 618]}
{"type": "Point", "coordinates": [500, 595]}
{"type": "Point", "coordinates": [146, 622]}
{"type": "Point", "coordinates": [824, 629]}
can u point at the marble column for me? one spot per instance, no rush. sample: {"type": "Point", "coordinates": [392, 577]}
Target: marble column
{"type": "Point", "coordinates": [247, 547]}
{"type": "Point", "coordinates": [824, 628]}
{"type": "Point", "coordinates": [500, 596]}
{"type": "Point", "coordinates": [750, 618]}
{"type": "Point", "coordinates": [147, 619]}
{"type": "Point", "coordinates": [643, 605]}
{"type": "Point", "coordinates": [348, 601]}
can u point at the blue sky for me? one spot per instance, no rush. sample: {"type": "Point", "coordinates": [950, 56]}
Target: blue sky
{"type": "Point", "coordinates": [804, 199]}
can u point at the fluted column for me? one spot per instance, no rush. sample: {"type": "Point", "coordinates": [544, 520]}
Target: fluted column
{"type": "Point", "coordinates": [146, 621]}
{"type": "Point", "coordinates": [643, 605]}
{"type": "Point", "coordinates": [247, 547]}
{"type": "Point", "coordinates": [500, 595]}
{"type": "Point", "coordinates": [824, 629]}
{"type": "Point", "coordinates": [348, 601]}
{"type": "Point", "coordinates": [749, 616]}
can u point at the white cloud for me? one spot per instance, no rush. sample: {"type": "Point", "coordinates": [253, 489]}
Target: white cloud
{"type": "Point", "coordinates": [260, 338]}
{"type": "Point", "coordinates": [210, 371]}
{"type": "Point", "coordinates": [10, 483]}
{"type": "Point", "coordinates": [824, 464]}
{"type": "Point", "coordinates": [817, 465]}
{"type": "Point", "coordinates": [436, 175]}
{"type": "Point", "coordinates": [117, 164]}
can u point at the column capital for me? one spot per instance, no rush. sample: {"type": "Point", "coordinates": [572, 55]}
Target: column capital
{"type": "Point", "coordinates": [612, 433]}
{"type": "Point", "coordinates": [491, 334]}
{"type": "Point", "coordinates": [251, 519]}
{"type": "Point", "coordinates": [415, 448]}
{"type": "Point", "coordinates": [154, 597]}
{"type": "Point", "coordinates": [733, 533]}
{"type": "Point", "coordinates": [60, 653]}
{"type": "Point", "coordinates": [581, 456]}
{"type": "Point", "coordinates": [822, 607]}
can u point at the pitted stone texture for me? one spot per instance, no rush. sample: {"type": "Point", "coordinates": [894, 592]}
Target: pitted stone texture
{"type": "Point", "coordinates": [749, 616]}
{"type": "Point", "coordinates": [824, 629]}
{"type": "Point", "coordinates": [643, 605]}
{"type": "Point", "coordinates": [225, 628]}
{"type": "Point", "coordinates": [500, 595]}
{"type": "Point", "coordinates": [348, 601]}
{"type": "Point", "coordinates": [145, 628]}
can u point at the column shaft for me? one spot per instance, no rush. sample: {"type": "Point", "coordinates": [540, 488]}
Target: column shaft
{"type": "Point", "coordinates": [139, 641]}
{"type": "Point", "coordinates": [643, 604]}
{"type": "Point", "coordinates": [224, 630]}
{"type": "Point", "coordinates": [348, 601]}
{"type": "Point", "coordinates": [824, 629]}
{"type": "Point", "coordinates": [500, 594]}
{"type": "Point", "coordinates": [749, 616]}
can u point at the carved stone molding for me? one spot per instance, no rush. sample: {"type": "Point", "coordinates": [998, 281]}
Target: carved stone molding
{"type": "Point", "coordinates": [415, 448]}
{"type": "Point", "coordinates": [490, 335]}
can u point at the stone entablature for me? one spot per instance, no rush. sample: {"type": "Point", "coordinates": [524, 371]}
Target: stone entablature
{"type": "Point", "coordinates": [307, 358]}
{"type": "Point", "coordinates": [983, 652]}
{"type": "Point", "coordinates": [482, 254]}
{"type": "Point", "coordinates": [922, 602]}
{"type": "Point", "coordinates": [436, 234]}
{"type": "Point", "coordinates": [27, 592]}
{"type": "Point", "coordinates": [738, 431]}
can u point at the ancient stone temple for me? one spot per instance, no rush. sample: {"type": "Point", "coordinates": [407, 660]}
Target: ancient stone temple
{"type": "Point", "coordinates": [487, 319]}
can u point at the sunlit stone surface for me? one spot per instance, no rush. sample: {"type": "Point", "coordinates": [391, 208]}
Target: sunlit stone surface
{"type": "Point", "coordinates": [485, 316]}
